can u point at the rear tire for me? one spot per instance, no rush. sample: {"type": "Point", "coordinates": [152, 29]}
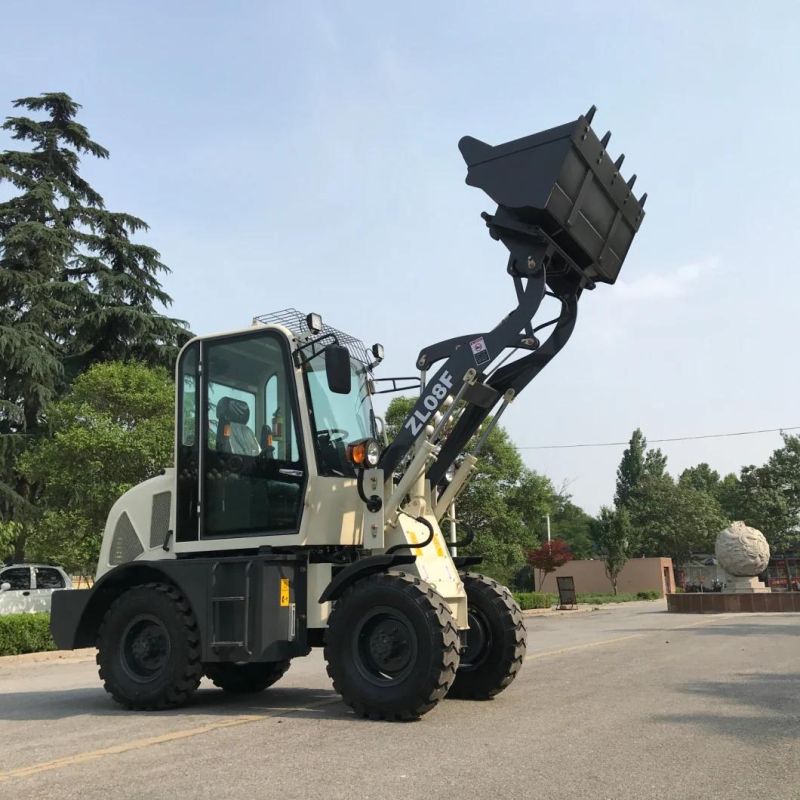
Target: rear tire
{"type": "Point", "coordinates": [148, 648]}
{"type": "Point", "coordinates": [392, 647]}
{"type": "Point", "coordinates": [246, 678]}
{"type": "Point", "coordinates": [496, 641]}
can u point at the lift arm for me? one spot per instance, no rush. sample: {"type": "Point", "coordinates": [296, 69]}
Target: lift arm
{"type": "Point", "coordinates": [568, 219]}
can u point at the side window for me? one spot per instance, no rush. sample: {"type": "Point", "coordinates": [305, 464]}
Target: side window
{"type": "Point", "coordinates": [18, 577]}
{"type": "Point", "coordinates": [189, 398]}
{"type": "Point", "coordinates": [187, 457]}
{"type": "Point", "coordinates": [252, 470]}
{"type": "Point", "coordinates": [281, 432]}
{"type": "Point", "coordinates": [48, 578]}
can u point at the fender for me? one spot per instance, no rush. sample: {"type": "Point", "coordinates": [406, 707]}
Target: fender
{"type": "Point", "coordinates": [361, 569]}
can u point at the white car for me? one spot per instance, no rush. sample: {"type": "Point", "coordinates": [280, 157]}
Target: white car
{"type": "Point", "coordinates": [27, 588]}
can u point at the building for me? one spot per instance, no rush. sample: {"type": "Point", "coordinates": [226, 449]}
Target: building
{"type": "Point", "coordinates": [638, 575]}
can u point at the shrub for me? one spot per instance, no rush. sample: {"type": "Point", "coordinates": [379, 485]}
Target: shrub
{"type": "Point", "coordinates": [529, 600]}
{"type": "Point", "coordinates": [650, 594]}
{"type": "Point", "coordinates": [25, 633]}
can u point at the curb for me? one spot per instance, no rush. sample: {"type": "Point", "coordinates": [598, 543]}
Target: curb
{"type": "Point", "coordinates": [84, 654]}
{"type": "Point", "coordinates": [555, 612]}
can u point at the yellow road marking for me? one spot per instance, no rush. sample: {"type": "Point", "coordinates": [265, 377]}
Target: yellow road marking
{"type": "Point", "coordinates": [140, 744]}
{"type": "Point", "coordinates": [584, 646]}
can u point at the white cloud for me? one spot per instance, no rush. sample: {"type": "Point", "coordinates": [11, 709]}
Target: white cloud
{"type": "Point", "coordinates": [666, 286]}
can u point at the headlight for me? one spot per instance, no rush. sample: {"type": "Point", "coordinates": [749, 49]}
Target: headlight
{"type": "Point", "coordinates": [365, 453]}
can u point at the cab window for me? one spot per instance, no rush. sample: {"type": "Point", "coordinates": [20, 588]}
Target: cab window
{"type": "Point", "coordinates": [253, 472]}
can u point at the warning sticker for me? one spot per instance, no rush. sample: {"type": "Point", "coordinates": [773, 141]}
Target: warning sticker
{"type": "Point", "coordinates": [479, 351]}
{"type": "Point", "coordinates": [284, 592]}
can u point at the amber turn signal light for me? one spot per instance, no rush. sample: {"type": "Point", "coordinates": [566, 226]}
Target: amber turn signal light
{"type": "Point", "coordinates": [365, 453]}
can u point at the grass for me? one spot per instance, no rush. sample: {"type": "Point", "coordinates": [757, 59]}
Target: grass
{"type": "Point", "coordinates": [25, 633]}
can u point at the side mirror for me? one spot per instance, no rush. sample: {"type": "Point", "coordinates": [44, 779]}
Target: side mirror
{"type": "Point", "coordinates": [5, 586]}
{"type": "Point", "coordinates": [337, 369]}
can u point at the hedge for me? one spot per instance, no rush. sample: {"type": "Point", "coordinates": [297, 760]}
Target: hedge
{"type": "Point", "coordinates": [25, 633]}
{"type": "Point", "coordinates": [528, 600]}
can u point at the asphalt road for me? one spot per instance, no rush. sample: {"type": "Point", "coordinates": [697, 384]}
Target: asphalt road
{"type": "Point", "coordinates": [623, 702]}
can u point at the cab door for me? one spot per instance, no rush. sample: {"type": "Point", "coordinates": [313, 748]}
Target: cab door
{"type": "Point", "coordinates": [241, 467]}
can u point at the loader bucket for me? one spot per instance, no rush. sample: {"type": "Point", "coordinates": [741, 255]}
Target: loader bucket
{"type": "Point", "coordinates": [562, 181]}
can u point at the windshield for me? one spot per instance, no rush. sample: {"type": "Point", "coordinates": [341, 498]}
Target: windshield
{"type": "Point", "coordinates": [338, 419]}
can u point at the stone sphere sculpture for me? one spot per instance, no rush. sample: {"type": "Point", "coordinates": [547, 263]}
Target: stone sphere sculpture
{"type": "Point", "coordinates": [742, 551]}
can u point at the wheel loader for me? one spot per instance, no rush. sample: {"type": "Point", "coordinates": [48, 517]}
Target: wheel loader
{"type": "Point", "coordinates": [289, 522]}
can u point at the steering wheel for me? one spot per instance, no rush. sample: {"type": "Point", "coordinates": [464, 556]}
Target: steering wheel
{"type": "Point", "coordinates": [333, 434]}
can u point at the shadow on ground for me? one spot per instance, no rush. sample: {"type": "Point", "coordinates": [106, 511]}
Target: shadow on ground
{"type": "Point", "coordinates": [206, 702]}
{"type": "Point", "coordinates": [772, 699]}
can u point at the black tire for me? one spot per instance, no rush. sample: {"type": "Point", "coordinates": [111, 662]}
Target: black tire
{"type": "Point", "coordinates": [245, 678]}
{"type": "Point", "coordinates": [148, 648]}
{"type": "Point", "coordinates": [496, 641]}
{"type": "Point", "coordinates": [392, 647]}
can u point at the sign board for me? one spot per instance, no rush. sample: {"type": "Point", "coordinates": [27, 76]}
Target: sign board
{"type": "Point", "coordinates": [566, 592]}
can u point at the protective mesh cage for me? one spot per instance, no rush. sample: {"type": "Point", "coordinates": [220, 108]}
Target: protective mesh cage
{"type": "Point", "coordinates": [295, 321]}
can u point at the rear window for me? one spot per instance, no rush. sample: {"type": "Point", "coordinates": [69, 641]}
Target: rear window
{"type": "Point", "coordinates": [49, 578]}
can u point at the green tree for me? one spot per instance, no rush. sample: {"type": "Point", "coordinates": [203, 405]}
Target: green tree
{"type": "Point", "coordinates": [615, 540]}
{"type": "Point", "coordinates": [729, 495]}
{"type": "Point", "coordinates": [631, 469]}
{"type": "Point", "coordinates": [111, 431]}
{"type": "Point", "coordinates": [74, 288]}
{"type": "Point", "coordinates": [572, 524]}
{"type": "Point", "coordinates": [701, 477]}
{"type": "Point", "coordinates": [504, 503]}
{"type": "Point", "coordinates": [769, 497]}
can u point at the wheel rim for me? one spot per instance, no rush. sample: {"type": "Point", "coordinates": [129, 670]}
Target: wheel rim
{"type": "Point", "coordinates": [479, 641]}
{"type": "Point", "coordinates": [384, 646]}
{"type": "Point", "coordinates": [146, 648]}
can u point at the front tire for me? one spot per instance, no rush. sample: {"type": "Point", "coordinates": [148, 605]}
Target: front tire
{"type": "Point", "coordinates": [246, 678]}
{"type": "Point", "coordinates": [392, 647]}
{"type": "Point", "coordinates": [496, 641]}
{"type": "Point", "coordinates": [148, 648]}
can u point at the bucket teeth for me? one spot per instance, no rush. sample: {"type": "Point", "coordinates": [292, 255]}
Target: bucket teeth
{"type": "Point", "coordinates": [642, 200]}
{"type": "Point", "coordinates": [606, 139]}
{"type": "Point", "coordinates": [590, 115]}
{"type": "Point", "coordinates": [631, 181]}
{"type": "Point", "coordinates": [618, 162]}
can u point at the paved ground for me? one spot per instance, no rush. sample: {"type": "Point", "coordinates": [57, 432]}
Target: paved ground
{"type": "Point", "coordinates": [624, 702]}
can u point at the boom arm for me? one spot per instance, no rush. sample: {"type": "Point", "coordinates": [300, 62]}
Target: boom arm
{"type": "Point", "coordinates": [567, 218]}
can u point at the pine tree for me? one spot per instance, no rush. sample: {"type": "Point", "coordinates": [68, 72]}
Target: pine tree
{"type": "Point", "coordinates": [631, 469]}
{"type": "Point", "coordinates": [74, 289]}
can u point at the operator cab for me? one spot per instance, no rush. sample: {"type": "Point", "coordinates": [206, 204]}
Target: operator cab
{"type": "Point", "coordinates": [242, 466]}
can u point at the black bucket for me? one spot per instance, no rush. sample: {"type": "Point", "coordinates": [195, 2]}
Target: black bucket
{"type": "Point", "coordinates": [563, 182]}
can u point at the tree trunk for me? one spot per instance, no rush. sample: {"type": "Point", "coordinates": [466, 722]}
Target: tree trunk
{"type": "Point", "coordinates": [19, 547]}
{"type": "Point", "coordinates": [788, 575]}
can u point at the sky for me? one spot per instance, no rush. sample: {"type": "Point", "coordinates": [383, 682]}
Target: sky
{"type": "Point", "coordinates": [304, 155]}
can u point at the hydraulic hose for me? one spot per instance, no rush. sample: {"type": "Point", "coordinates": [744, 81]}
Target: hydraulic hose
{"type": "Point", "coordinates": [409, 546]}
{"type": "Point", "coordinates": [373, 502]}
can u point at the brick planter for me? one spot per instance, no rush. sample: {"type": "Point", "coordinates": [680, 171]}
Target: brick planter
{"type": "Point", "coordinates": [721, 602]}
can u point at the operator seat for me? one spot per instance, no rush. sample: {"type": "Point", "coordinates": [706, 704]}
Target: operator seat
{"type": "Point", "coordinates": [233, 435]}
